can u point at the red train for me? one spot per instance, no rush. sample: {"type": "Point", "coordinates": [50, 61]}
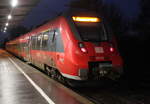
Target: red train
{"type": "Point", "coordinates": [77, 46]}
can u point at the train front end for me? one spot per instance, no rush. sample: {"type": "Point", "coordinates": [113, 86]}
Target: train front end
{"type": "Point", "coordinates": [94, 50]}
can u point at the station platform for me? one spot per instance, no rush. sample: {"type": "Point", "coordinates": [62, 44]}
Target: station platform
{"type": "Point", "coordinates": [23, 84]}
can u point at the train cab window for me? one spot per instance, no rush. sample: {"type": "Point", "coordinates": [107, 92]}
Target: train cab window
{"type": "Point", "coordinates": [91, 31]}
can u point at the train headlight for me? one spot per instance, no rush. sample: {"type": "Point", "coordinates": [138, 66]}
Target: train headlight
{"type": "Point", "coordinates": [111, 49]}
{"type": "Point", "coordinates": [82, 47]}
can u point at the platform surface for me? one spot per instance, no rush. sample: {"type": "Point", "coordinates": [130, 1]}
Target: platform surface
{"type": "Point", "coordinates": [23, 84]}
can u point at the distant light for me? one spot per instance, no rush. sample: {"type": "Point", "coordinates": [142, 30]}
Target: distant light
{"type": "Point", "coordinates": [9, 16]}
{"type": "Point", "coordinates": [4, 31]}
{"type": "Point", "coordinates": [86, 19]}
{"type": "Point", "coordinates": [5, 28]}
{"type": "Point", "coordinates": [14, 3]}
{"type": "Point", "coordinates": [7, 24]}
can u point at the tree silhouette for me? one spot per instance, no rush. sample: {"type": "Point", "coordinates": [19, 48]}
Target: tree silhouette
{"type": "Point", "coordinates": [113, 17]}
{"type": "Point", "coordinates": [143, 23]}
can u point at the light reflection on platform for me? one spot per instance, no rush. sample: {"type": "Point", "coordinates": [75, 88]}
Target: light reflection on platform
{"type": "Point", "coordinates": [16, 89]}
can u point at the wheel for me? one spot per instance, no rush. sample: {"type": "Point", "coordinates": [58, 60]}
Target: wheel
{"type": "Point", "coordinates": [54, 74]}
{"type": "Point", "coordinates": [47, 70]}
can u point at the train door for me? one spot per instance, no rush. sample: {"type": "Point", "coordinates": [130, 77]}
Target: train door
{"type": "Point", "coordinates": [45, 43]}
{"type": "Point", "coordinates": [37, 52]}
{"type": "Point", "coordinates": [42, 49]}
{"type": "Point", "coordinates": [53, 42]}
{"type": "Point", "coordinates": [57, 46]}
{"type": "Point", "coordinates": [24, 49]}
{"type": "Point", "coordinates": [52, 47]}
{"type": "Point", "coordinates": [32, 47]}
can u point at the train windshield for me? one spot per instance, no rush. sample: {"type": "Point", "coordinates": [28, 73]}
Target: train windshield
{"type": "Point", "coordinates": [91, 30]}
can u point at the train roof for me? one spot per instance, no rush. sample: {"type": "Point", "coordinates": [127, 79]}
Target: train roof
{"type": "Point", "coordinates": [66, 14]}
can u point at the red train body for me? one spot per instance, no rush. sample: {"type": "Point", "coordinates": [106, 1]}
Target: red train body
{"type": "Point", "coordinates": [79, 47]}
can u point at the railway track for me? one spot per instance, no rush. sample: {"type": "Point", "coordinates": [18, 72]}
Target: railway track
{"type": "Point", "coordinates": [117, 94]}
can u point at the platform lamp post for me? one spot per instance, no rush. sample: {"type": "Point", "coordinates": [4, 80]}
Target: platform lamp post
{"type": "Point", "coordinates": [14, 3]}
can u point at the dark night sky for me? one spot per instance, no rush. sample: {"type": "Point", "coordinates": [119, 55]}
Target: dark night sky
{"type": "Point", "coordinates": [128, 8]}
{"type": "Point", "coordinates": [47, 9]}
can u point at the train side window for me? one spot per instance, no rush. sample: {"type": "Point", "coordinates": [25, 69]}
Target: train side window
{"type": "Point", "coordinates": [39, 41]}
{"type": "Point", "coordinates": [33, 42]}
{"type": "Point", "coordinates": [45, 40]}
